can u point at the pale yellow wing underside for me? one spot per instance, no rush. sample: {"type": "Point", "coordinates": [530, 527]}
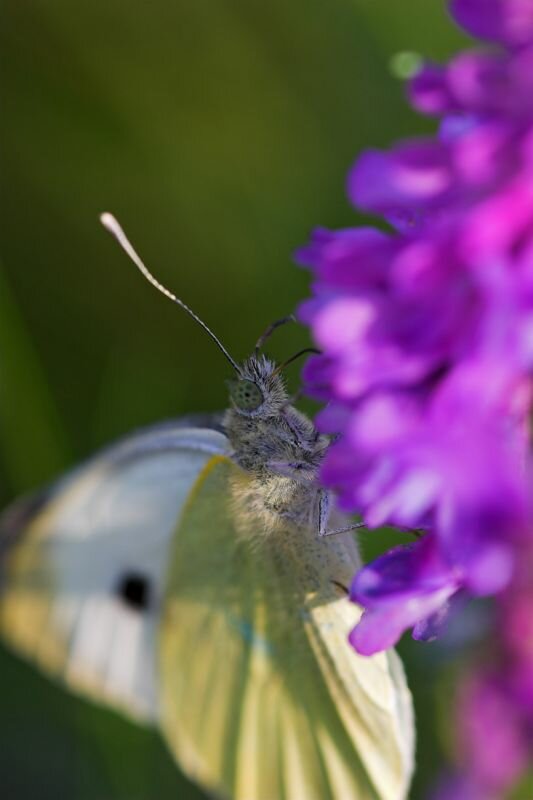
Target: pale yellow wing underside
{"type": "Point", "coordinates": [261, 696]}
{"type": "Point", "coordinates": [59, 601]}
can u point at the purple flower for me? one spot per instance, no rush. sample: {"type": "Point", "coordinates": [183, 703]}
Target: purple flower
{"type": "Point", "coordinates": [508, 22]}
{"type": "Point", "coordinates": [402, 185]}
{"type": "Point", "coordinates": [426, 335]}
{"type": "Point", "coordinates": [427, 332]}
{"type": "Point", "coordinates": [390, 314]}
{"type": "Point", "coordinates": [409, 586]}
{"type": "Point", "coordinates": [475, 85]}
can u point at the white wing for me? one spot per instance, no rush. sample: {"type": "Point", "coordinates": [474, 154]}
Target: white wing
{"type": "Point", "coordinates": [83, 578]}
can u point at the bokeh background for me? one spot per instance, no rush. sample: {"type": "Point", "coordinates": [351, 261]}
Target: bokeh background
{"type": "Point", "coordinates": [219, 132]}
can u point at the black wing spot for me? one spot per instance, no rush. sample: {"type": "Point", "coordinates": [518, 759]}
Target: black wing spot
{"type": "Point", "coordinates": [134, 589]}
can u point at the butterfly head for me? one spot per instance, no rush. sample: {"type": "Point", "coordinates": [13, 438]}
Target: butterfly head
{"type": "Point", "coordinates": [258, 389]}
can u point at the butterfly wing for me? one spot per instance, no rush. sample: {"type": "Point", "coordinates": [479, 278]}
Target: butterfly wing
{"type": "Point", "coordinates": [83, 572]}
{"type": "Point", "coordinates": [261, 696]}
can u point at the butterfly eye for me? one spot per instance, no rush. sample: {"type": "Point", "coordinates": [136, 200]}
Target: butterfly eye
{"type": "Point", "coordinates": [246, 395]}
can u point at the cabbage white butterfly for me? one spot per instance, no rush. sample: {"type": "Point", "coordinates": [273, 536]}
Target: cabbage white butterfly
{"type": "Point", "coordinates": [185, 576]}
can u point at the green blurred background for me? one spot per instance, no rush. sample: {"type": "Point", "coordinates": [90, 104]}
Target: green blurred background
{"type": "Point", "coordinates": [219, 132]}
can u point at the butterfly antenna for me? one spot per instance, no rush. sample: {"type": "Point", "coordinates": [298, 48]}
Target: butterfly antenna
{"type": "Point", "coordinates": [270, 330]}
{"type": "Point", "coordinates": [110, 223]}
{"type": "Point", "coordinates": [295, 356]}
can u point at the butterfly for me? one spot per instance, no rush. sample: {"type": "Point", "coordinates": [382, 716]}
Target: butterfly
{"type": "Point", "coordinates": [188, 577]}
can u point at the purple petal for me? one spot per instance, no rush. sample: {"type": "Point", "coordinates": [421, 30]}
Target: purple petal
{"type": "Point", "coordinates": [509, 22]}
{"type": "Point", "coordinates": [348, 259]}
{"type": "Point", "coordinates": [407, 586]}
{"type": "Point", "coordinates": [429, 92]}
{"type": "Point", "coordinates": [404, 180]}
{"type": "Point", "coordinates": [498, 221]}
{"type": "Point", "coordinates": [378, 630]}
{"type": "Point", "coordinates": [483, 154]}
{"type": "Point", "coordinates": [432, 627]}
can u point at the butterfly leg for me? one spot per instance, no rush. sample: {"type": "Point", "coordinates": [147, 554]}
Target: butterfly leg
{"type": "Point", "coordinates": [324, 501]}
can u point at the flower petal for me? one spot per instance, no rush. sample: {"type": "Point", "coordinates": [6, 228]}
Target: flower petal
{"type": "Point", "coordinates": [509, 22]}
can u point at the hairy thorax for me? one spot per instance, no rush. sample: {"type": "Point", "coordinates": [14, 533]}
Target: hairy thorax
{"type": "Point", "coordinates": [276, 487]}
{"type": "Point", "coordinates": [286, 443]}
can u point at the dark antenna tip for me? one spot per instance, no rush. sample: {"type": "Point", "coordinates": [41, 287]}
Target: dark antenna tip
{"type": "Point", "coordinates": [270, 330]}
{"type": "Point", "coordinates": [113, 226]}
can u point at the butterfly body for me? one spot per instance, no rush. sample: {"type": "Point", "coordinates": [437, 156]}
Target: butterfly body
{"type": "Point", "coordinates": [280, 452]}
